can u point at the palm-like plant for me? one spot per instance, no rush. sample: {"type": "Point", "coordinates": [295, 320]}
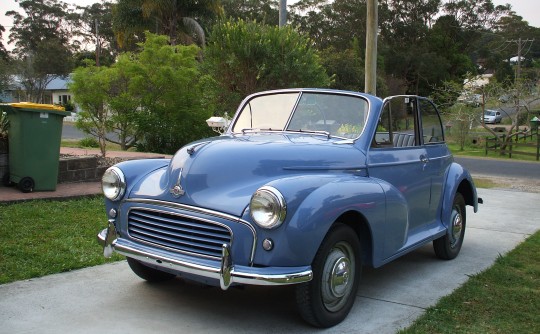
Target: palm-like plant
{"type": "Point", "coordinates": [179, 19]}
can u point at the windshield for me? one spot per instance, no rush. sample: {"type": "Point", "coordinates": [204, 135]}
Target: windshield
{"type": "Point", "coordinates": [334, 114]}
{"type": "Point", "coordinates": [490, 113]}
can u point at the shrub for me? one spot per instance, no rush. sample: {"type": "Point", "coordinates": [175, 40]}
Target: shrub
{"type": "Point", "coordinates": [89, 142]}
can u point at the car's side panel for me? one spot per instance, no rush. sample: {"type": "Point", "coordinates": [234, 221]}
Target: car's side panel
{"type": "Point", "coordinates": [405, 169]}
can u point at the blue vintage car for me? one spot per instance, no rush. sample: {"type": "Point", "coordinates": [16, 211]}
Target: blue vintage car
{"type": "Point", "coordinates": [304, 187]}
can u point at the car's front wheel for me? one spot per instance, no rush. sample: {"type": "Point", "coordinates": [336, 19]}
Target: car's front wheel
{"type": "Point", "coordinates": [327, 299]}
{"type": "Point", "coordinates": [147, 273]}
{"type": "Point", "coordinates": [448, 246]}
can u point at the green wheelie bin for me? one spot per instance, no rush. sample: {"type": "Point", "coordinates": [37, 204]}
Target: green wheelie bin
{"type": "Point", "coordinates": [34, 135]}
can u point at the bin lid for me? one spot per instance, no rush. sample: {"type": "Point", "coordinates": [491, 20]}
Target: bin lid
{"type": "Point", "coordinates": [31, 105]}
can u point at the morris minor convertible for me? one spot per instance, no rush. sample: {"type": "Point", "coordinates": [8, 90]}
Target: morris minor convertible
{"type": "Point", "coordinates": [303, 187]}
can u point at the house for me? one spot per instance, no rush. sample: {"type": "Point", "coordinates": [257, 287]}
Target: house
{"type": "Point", "coordinates": [56, 92]}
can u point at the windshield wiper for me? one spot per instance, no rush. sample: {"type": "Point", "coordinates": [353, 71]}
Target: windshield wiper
{"type": "Point", "coordinates": [318, 132]}
{"type": "Point", "coordinates": [258, 129]}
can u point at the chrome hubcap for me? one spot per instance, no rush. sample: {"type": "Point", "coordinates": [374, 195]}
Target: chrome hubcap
{"type": "Point", "coordinates": [338, 276]}
{"type": "Point", "coordinates": [457, 226]}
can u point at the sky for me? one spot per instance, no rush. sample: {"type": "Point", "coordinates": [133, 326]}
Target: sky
{"type": "Point", "coordinates": [528, 9]}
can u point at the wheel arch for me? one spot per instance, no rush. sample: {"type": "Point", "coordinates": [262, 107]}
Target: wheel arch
{"type": "Point", "coordinates": [458, 181]}
{"type": "Point", "coordinates": [358, 222]}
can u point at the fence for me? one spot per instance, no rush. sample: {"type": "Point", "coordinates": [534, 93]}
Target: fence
{"type": "Point", "coordinates": [514, 146]}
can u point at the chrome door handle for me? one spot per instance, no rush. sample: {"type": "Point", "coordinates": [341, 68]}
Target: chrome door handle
{"type": "Point", "coordinates": [424, 159]}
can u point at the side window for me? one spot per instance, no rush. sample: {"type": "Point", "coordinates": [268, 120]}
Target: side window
{"type": "Point", "coordinates": [397, 126]}
{"type": "Point", "coordinates": [432, 129]}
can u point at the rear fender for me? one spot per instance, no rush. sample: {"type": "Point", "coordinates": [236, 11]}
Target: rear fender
{"type": "Point", "coordinates": [459, 180]}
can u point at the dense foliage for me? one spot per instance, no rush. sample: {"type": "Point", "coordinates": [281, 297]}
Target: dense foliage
{"type": "Point", "coordinates": [151, 98]}
{"type": "Point", "coordinates": [422, 45]}
{"type": "Point", "coordinates": [246, 57]}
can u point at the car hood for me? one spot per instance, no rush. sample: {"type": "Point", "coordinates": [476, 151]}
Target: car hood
{"type": "Point", "coordinates": [222, 173]}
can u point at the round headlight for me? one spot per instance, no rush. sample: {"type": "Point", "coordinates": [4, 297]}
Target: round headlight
{"type": "Point", "coordinates": [267, 207]}
{"type": "Point", "coordinates": [113, 183]}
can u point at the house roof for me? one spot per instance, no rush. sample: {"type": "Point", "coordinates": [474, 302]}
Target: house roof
{"type": "Point", "coordinates": [55, 84]}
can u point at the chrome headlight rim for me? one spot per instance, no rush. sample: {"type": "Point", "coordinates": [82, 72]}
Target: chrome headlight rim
{"type": "Point", "coordinates": [271, 215]}
{"type": "Point", "coordinates": [113, 183]}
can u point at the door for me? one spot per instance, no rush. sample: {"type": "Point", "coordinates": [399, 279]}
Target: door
{"type": "Point", "coordinates": [400, 159]}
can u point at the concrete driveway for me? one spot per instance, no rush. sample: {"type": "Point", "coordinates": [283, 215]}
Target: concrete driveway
{"type": "Point", "coordinates": [110, 298]}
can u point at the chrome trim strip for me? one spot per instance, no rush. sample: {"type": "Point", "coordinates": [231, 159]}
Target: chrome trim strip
{"type": "Point", "coordinates": [227, 274]}
{"type": "Point", "coordinates": [195, 209]}
{"type": "Point", "coordinates": [185, 207]}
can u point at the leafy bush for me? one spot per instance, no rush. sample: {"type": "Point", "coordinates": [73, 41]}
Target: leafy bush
{"type": "Point", "coordinates": [244, 57]}
{"type": "Point", "coordinates": [89, 142]}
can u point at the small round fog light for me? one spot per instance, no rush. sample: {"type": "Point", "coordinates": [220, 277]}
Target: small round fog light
{"type": "Point", "coordinates": [112, 213]}
{"type": "Point", "coordinates": [268, 244]}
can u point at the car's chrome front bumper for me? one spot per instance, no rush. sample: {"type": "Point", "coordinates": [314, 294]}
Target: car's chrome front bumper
{"type": "Point", "coordinates": [227, 273]}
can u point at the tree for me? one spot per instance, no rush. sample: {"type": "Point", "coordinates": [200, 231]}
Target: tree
{"type": "Point", "coordinates": [177, 19]}
{"type": "Point", "coordinates": [167, 81]}
{"type": "Point", "coordinates": [3, 52]}
{"type": "Point", "coordinates": [475, 14]}
{"type": "Point", "coordinates": [43, 46]}
{"type": "Point", "coordinates": [151, 99]}
{"type": "Point", "coordinates": [331, 24]}
{"type": "Point", "coordinates": [245, 57]}
{"type": "Point", "coordinates": [94, 27]}
{"type": "Point", "coordinates": [263, 11]}
{"type": "Point", "coordinates": [90, 89]}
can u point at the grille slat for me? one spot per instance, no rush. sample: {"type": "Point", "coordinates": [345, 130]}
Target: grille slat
{"type": "Point", "coordinates": [193, 223]}
{"type": "Point", "coordinates": [178, 232]}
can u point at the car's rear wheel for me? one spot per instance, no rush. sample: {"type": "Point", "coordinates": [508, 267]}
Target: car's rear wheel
{"type": "Point", "coordinates": [147, 273]}
{"type": "Point", "coordinates": [448, 246]}
{"type": "Point", "coordinates": [327, 299]}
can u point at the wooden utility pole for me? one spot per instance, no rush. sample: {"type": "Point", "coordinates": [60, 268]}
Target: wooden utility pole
{"type": "Point", "coordinates": [520, 45]}
{"type": "Point", "coordinates": [282, 13]}
{"type": "Point", "coordinates": [371, 47]}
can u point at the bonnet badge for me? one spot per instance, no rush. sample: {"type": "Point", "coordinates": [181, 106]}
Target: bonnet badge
{"type": "Point", "coordinates": [177, 190]}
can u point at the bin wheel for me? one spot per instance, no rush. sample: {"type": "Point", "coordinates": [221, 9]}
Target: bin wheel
{"type": "Point", "coordinates": [26, 184]}
{"type": "Point", "coordinates": [6, 180]}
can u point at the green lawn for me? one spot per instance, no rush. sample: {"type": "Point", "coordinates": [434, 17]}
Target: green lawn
{"type": "Point", "coordinates": [39, 238]}
{"type": "Point", "coordinates": [503, 299]}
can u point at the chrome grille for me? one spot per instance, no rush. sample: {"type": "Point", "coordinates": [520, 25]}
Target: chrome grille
{"type": "Point", "coordinates": [178, 232]}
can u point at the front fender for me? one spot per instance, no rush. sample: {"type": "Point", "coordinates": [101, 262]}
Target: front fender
{"type": "Point", "coordinates": [459, 180]}
{"type": "Point", "coordinates": [314, 204]}
{"type": "Point", "coordinates": [134, 171]}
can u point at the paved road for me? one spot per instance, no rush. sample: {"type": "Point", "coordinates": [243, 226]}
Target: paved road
{"type": "Point", "coordinates": [69, 131]}
{"type": "Point", "coordinates": [110, 298]}
{"type": "Point", "coordinates": [501, 168]}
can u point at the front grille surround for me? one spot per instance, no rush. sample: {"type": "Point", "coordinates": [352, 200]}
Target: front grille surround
{"type": "Point", "coordinates": [178, 232]}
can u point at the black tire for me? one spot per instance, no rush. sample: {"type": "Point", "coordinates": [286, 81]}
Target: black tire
{"type": "Point", "coordinates": [327, 299]}
{"type": "Point", "coordinates": [26, 184]}
{"type": "Point", "coordinates": [448, 246]}
{"type": "Point", "coordinates": [147, 273]}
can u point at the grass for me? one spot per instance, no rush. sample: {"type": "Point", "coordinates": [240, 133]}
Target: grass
{"type": "Point", "coordinates": [503, 299]}
{"type": "Point", "coordinates": [39, 238]}
{"type": "Point", "coordinates": [479, 150]}
{"type": "Point", "coordinates": [486, 183]}
{"type": "Point", "coordinates": [78, 143]}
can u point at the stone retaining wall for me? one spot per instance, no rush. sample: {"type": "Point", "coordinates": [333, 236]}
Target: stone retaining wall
{"type": "Point", "coordinates": [79, 169]}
